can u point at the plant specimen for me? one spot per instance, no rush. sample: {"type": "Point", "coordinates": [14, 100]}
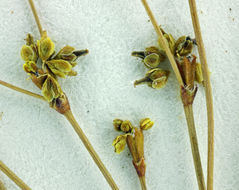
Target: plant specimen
{"type": "Point", "coordinates": [43, 67]}
{"type": "Point", "coordinates": [13, 177]}
{"type": "Point", "coordinates": [187, 71]}
{"type": "Point", "coordinates": [134, 138]}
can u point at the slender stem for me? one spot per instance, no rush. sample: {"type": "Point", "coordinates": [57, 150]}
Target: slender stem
{"type": "Point", "coordinates": [188, 109]}
{"type": "Point", "coordinates": [208, 92]}
{"type": "Point", "coordinates": [143, 183]}
{"type": "Point", "coordinates": [2, 187]}
{"type": "Point", "coordinates": [194, 146]}
{"type": "Point", "coordinates": [13, 176]}
{"type": "Point", "coordinates": [8, 85]}
{"type": "Point", "coordinates": [70, 117]}
{"type": "Point", "coordinates": [34, 11]}
{"type": "Point", "coordinates": [163, 42]}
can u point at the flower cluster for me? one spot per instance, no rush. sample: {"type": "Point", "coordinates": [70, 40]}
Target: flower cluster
{"type": "Point", "coordinates": [43, 65]}
{"type": "Point", "coordinates": [134, 138]}
{"type": "Point", "coordinates": [186, 61]}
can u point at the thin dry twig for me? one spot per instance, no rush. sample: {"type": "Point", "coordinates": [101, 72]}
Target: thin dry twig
{"type": "Point", "coordinates": [36, 16]}
{"type": "Point", "coordinates": [187, 109]}
{"type": "Point", "coordinates": [13, 176]}
{"type": "Point", "coordinates": [143, 183]}
{"type": "Point", "coordinates": [2, 187]}
{"type": "Point", "coordinates": [208, 92]}
{"type": "Point", "coordinates": [8, 85]}
{"type": "Point", "coordinates": [70, 117]}
{"type": "Point", "coordinates": [194, 145]}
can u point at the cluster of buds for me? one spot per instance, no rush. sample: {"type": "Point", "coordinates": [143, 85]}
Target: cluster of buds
{"type": "Point", "coordinates": [134, 139]}
{"type": "Point", "coordinates": [181, 49]}
{"type": "Point", "coordinates": [156, 77]}
{"type": "Point", "coordinates": [189, 69]}
{"type": "Point", "coordinates": [44, 66]}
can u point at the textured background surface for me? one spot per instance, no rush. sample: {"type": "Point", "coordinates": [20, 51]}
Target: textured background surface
{"type": "Point", "coordinates": [42, 148]}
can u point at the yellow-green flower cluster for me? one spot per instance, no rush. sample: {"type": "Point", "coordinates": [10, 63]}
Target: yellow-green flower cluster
{"type": "Point", "coordinates": [134, 138]}
{"type": "Point", "coordinates": [44, 66]}
{"type": "Point", "coordinates": [156, 77]}
{"type": "Point", "coordinates": [129, 130]}
{"type": "Point", "coordinates": [182, 51]}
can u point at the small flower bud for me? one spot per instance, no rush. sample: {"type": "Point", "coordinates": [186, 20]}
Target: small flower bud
{"type": "Point", "coordinates": [152, 56]}
{"type": "Point", "coordinates": [30, 67]}
{"type": "Point", "coordinates": [28, 53]}
{"type": "Point", "coordinates": [46, 47]}
{"type": "Point", "coordinates": [152, 60]}
{"type": "Point", "coordinates": [67, 50]}
{"type": "Point", "coordinates": [155, 78]}
{"type": "Point", "coordinates": [119, 143]}
{"type": "Point", "coordinates": [59, 67]}
{"type": "Point", "coordinates": [160, 82]}
{"type": "Point", "coordinates": [146, 123]}
{"type": "Point", "coordinates": [169, 38]}
{"type": "Point", "coordinates": [126, 126]}
{"type": "Point", "coordinates": [39, 80]}
{"type": "Point", "coordinates": [117, 124]}
{"type": "Point", "coordinates": [183, 46]}
{"type": "Point", "coordinates": [51, 89]}
{"type": "Point", "coordinates": [30, 40]}
{"type": "Point", "coordinates": [199, 76]}
{"type": "Point", "coordinates": [67, 53]}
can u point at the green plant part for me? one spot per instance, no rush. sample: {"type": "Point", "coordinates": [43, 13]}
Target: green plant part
{"type": "Point", "coordinates": [135, 143]}
{"type": "Point", "coordinates": [45, 76]}
{"type": "Point", "coordinates": [30, 67]}
{"type": "Point", "coordinates": [68, 53]}
{"type": "Point", "coordinates": [117, 124]}
{"type": "Point", "coordinates": [152, 56]}
{"type": "Point", "coordinates": [28, 53]}
{"type": "Point", "coordinates": [155, 78]}
{"type": "Point", "coordinates": [126, 126]}
{"type": "Point", "coordinates": [152, 60]}
{"type": "Point", "coordinates": [51, 89]}
{"type": "Point", "coordinates": [146, 123]}
{"type": "Point", "coordinates": [199, 76]}
{"type": "Point", "coordinates": [46, 47]}
{"type": "Point", "coordinates": [60, 67]}
{"type": "Point", "coordinates": [39, 79]}
{"type": "Point", "coordinates": [119, 143]}
{"type": "Point", "coordinates": [169, 38]}
{"type": "Point", "coordinates": [183, 46]}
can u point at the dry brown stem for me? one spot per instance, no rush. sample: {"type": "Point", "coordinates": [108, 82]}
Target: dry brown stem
{"type": "Point", "coordinates": [208, 92]}
{"type": "Point", "coordinates": [13, 176]}
{"type": "Point", "coordinates": [34, 11]}
{"type": "Point", "coordinates": [70, 117]}
{"type": "Point", "coordinates": [8, 85]}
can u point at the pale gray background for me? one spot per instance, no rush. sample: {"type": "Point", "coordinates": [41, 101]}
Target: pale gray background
{"type": "Point", "coordinates": [40, 145]}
